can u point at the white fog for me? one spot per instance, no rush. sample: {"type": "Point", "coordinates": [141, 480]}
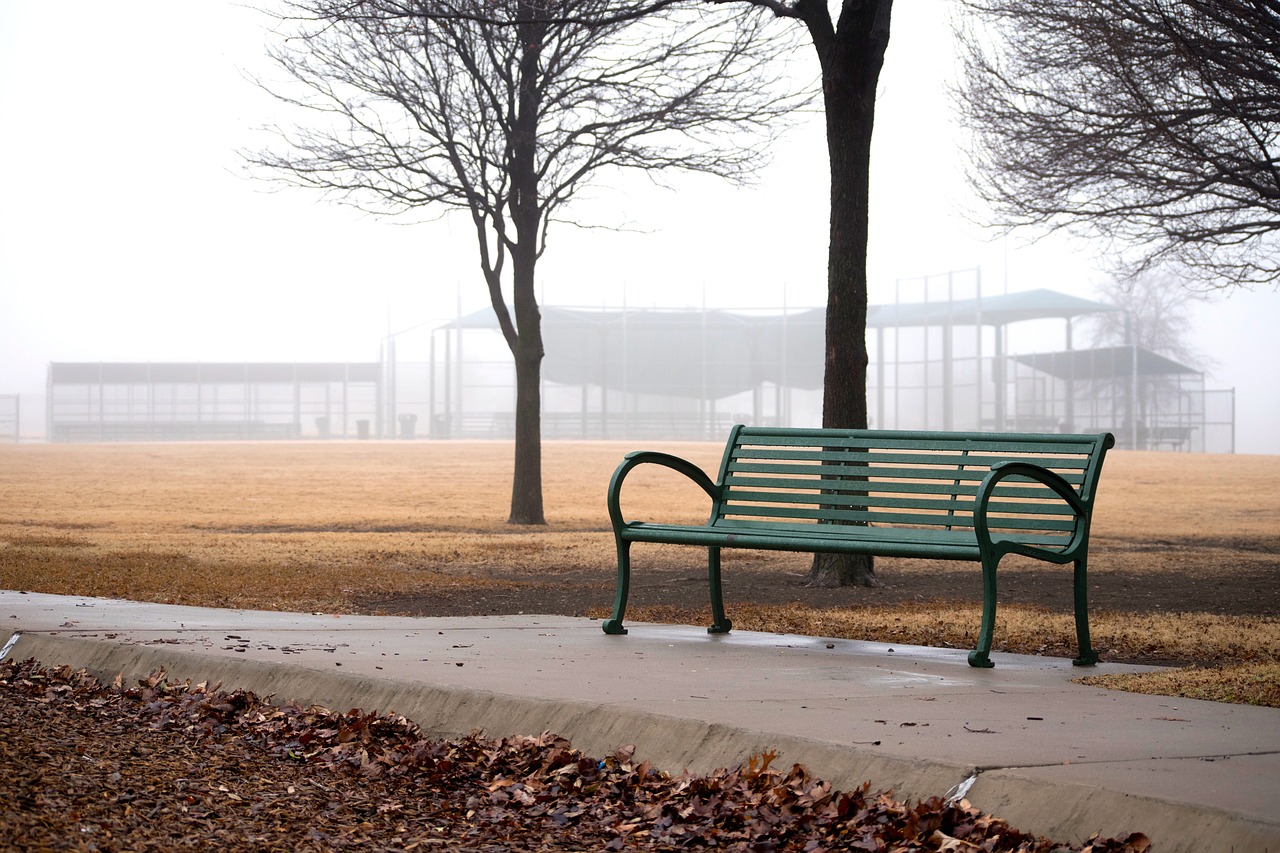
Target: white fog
{"type": "Point", "coordinates": [128, 231]}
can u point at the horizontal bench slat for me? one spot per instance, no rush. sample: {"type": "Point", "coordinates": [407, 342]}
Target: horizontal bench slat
{"type": "Point", "coordinates": [1051, 505]}
{"type": "Point", "coordinates": [954, 460]}
{"type": "Point", "coordinates": [995, 444]}
{"type": "Point", "coordinates": [963, 490]}
{"type": "Point", "coordinates": [839, 475]}
{"type": "Point", "coordinates": [881, 517]}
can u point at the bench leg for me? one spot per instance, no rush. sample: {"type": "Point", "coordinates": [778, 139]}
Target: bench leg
{"type": "Point", "coordinates": [981, 656]}
{"type": "Point", "coordinates": [613, 625]}
{"type": "Point", "coordinates": [1087, 655]}
{"type": "Point", "coordinates": [719, 624]}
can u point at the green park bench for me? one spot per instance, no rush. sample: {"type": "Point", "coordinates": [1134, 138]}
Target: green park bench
{"type": "Point", "coordinates": [939, 495]}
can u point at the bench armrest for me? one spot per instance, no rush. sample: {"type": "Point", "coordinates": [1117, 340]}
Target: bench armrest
{"type": "Point", "coordinates": [1003, 471]}
{"type": "Point", "coordinates": [667, 460]}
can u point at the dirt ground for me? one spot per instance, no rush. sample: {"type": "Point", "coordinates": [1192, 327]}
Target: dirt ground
{"type": "Point", "coordinates": [1247, 587]}
{"type": "Point", "coordinates": [417, 528]}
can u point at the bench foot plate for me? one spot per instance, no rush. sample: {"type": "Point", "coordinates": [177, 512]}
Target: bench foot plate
{"type": "Point", "coordinates": [722, 628]}
{"type": "Point", "coordinates": [613, 626]}
{"type": "Point", "coordinates": [982, 660]}
{"type": "Point", "coordinates": [1087, 660]}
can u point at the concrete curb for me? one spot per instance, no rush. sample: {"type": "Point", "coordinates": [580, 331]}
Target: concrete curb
{"type": "Point", "coordinates": [669, 742]}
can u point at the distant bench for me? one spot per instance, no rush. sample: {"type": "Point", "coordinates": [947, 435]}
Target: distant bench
{"type": "Point", "coordinates": [939, 495]}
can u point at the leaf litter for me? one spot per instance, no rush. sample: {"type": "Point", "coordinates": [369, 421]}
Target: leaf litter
{"type": "Point", "coordinates": [167, 765]}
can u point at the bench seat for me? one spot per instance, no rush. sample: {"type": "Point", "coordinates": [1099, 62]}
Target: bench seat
{"type": "Point", "coordinates": [872, 541]}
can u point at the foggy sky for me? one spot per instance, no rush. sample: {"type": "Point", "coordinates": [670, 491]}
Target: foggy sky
{"type": "Point", "coordinates": [128, 231]}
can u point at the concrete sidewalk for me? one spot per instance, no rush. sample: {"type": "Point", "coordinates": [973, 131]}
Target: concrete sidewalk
{"type": "Point", "coordinates": [1051, 757]}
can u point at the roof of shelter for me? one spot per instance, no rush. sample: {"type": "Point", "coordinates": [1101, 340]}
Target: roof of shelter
{"type": "Point", "coordinates": [987, 311]}
{"type": "Point", "coordinates": [711, 354]}
{"type": "Point", "coordinates": [1104, 363]}
{"type": "Point", "coordinates": [998, 310]}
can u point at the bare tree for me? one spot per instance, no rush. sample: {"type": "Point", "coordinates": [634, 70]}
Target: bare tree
{"type": "Point", "coordinates": [506, 109]}
{"type": "Point", "coordinates": [1155, 314]}
{"type": "Point", "coordinates": [1154, 123]}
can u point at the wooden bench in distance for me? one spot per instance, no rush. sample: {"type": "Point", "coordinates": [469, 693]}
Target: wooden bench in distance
{"type": "Point", "coordinates": [939, 495]}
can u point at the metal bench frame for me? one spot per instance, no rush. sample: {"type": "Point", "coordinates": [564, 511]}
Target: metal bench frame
{"type": "Point", "coordinates": [939, 495]}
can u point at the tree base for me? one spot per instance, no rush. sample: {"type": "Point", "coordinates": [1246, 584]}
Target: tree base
{"type": "Point", "coordinates": [835, 570]}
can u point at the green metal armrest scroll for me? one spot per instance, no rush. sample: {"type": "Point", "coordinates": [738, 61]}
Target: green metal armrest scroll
{"type": "Point", "coordinates": [613, 625]}
{"type": "Point", "coordinates": [993, 550]}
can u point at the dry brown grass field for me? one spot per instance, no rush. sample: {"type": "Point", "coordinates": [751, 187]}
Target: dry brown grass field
{"type": "Point", "coordinates": [1184, 567]}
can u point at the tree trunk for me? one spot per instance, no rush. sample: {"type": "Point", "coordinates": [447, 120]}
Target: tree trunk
{"type": "Point", "coordinates": [526, 483]}
{"type": "Point", "coordinates": [851, 60]}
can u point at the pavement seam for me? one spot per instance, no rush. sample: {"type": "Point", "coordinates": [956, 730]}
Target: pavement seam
{"type": "Point", "coordinates": [1215, 756]}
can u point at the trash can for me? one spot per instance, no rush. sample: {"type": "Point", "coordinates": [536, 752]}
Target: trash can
{"type": "Point", "coordinates": [408, 424]}
{"type": "Point", "coordinates": [362, 429]}
{"type": "Point", "coordinates": [322, 426]}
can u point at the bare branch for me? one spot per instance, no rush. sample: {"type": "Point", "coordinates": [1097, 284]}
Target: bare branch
{"type": "Point", "coordinates": [1153, 123]}
{"type": "Point", "coordinates": [552, 12]}
{"type": "Point", "coordinates": [418, 111]}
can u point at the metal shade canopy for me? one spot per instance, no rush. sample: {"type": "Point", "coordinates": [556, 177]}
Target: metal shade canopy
{"type": "Point", "coordinates": [712, 354]}
{"type": "Point", "coordinates": [987, 311]}
{"type": "Point", "coordinates": [1104, 363]}
{"type": "Point", "coordinates": [694, 354]}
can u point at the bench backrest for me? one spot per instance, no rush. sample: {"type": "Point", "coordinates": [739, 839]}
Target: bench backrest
{"type": "Point", "coordinates": [793, 478]}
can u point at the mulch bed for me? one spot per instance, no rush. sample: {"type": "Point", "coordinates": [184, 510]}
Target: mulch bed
{"type": "Point", "coordinates": [160, 766]}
